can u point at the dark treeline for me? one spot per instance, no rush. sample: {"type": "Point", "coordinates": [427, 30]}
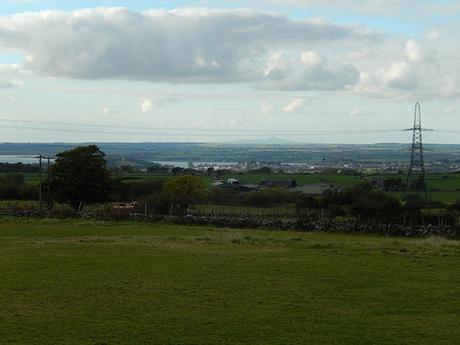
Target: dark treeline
{"type": "Point", "coordinates": [13, 187]}
{"type": "Point", "coordinates": [18, 168]}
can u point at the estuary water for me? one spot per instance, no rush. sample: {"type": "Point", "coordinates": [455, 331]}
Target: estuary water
{"type": "Point", "coordinates": [26, 159]}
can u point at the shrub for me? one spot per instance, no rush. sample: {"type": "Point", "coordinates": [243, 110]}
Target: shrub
{"type": "Point", "coordinates": [157, 203]}
{"type": "Point", "coordinates": [139, 189]}
{"type": "Point", "coordinates": [13, 187]}
{"type": "Point", "coordinates": [184, 191]}
{"type": "Point", "coordinates": [224, 196]}
{"type": "Point", "coordinates": [62, 211]}
{"type": "Point", "coordinates": [307, 202]}
{"type": "Point", "coordinates": [268, 197]}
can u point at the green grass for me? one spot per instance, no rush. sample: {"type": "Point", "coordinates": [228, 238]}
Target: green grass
{"type": "Point", "coordinates": [30, 178]}
{"type": "Point", "coordinates": [444, 187]}
{"type": "Point", "coordinates": [301, 179]}
{"type": "Point", "coordinates": [119, 283]}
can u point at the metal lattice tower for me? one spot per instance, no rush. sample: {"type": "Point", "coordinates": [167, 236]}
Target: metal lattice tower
{"type": "Point", "coordinates": [416, 177]}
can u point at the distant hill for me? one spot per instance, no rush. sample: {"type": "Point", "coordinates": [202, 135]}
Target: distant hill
{"type": "Point", "coordinates": [267, 141]}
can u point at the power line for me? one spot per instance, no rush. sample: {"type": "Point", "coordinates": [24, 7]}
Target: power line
{"type": "Point", "coordinates": [197, 132]}
{"type": "Point", "coordinates": [95, 128]}
{"type": "Point", "coordinates": [216, 131]}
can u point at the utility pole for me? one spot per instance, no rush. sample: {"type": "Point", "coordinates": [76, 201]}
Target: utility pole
{"type": "Point", "coordinates": [48, 188]}
{"type": "Point", "coordinates": [416, 176]}
{"type": "Point", "coordinates": [40, 185]}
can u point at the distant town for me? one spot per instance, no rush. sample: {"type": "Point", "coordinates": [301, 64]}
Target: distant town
{"type": "Point", "coordinates": [289, 158]}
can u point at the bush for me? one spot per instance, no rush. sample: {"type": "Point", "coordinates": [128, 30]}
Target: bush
{"type": "Point", "coordinates": [13, 187]}
{"type": "Point", "coordinates": [157, 203]}
{"type": "Point", "coordinates": [139, 189]}
{"type": "Point", "coordinates": [224, 196]}
{"type": "Point", "coordinates": [307, 202]}
{"type": "Point", "coordinates": [62, 211]}
{"type": "Point", "coordinates": [262, 170]}
{"type": "Point", "coordinates": [364, 203]}
{"type": "Point", "coordinates": [183, 191]}
{"type": "Point", "coordinates": [268, 197]}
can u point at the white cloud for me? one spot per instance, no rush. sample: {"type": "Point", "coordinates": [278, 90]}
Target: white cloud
{"type": "Point", "coordinates": [8, 99]}
{"type": "Point", "coordinates": [107, 111]}
{"type": "Point", "coordinates": [433, 35]}
{"type": "Point", "coordinates": [362, 53]}
{"type": "Point", "coordinates": [265, 51]}
{"type": "Point", "coordinates": [229, 123]}
{"type": "Point", "coordinates": [412, 51]}
{"type": "Point", "coordinates": [146, 105]}
{"type": "Point", "coordinates": [356, 112]}
{"type": "Point", "coordinates": [9, 69]}
{"type": "Point", "coordinates": [294, 105]}
{"type": "Point", "coordinates": [199, 124]}
{"type": "Point", "coordinates": [266, 108]}
{"type": "Point", "coordinates": [8, 84]}
{"type": "Point", "coordinates": [185, 45]}
{"type": "Point", "coordinates": [307, 71]}
{"type": "Point", "coordinates": [311, 59]}
{"type": "Point", "coordinates": [8, 76]}
{"type": "Point", "coordinates": [400, 75]}
{"type": "Point", "coordinates": [395, 8]}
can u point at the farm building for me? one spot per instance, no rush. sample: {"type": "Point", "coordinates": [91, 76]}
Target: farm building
{"type": "Point", "coordinates": [236, 185]}
{"type": "Point", "coordinates": [314, 189]}
{"type": "Point", "coordinates": [278, 183]}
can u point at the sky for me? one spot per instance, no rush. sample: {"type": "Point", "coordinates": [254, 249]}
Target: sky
{"type": "Point", "coordinates": [330, 71]}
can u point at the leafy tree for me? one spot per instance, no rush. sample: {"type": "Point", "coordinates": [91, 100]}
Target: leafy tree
{"type": "Point", "coordinates": [157, 168]}
{"type": "Point", "coordinates": [393, 184]}
{"type": "Point", "coordinates": [262, 170]}
{"type": "Point", "coordinates": [413, 208]}
{"type": "Point", "coordinates": [138, 189]}
{"type": "Point", "coordinates": [127, 169]}
{"type": "Point", "coordinates": [365, 203]}
{"type": "Point", "coordinates": [12, 180]}
{"type": "Point", "coordinates": [184, 191]}
{"type": "Point", "coordinates": [271, 196]}
{"type": "Point", "coordinates": [209, 171]}
{"type": "Point", "coordinates": [177, 170]}
{"type": "Point", "coordinates": [81, 176]}
{"type": "Point", "coordinates": [18, 167]}
{"type": "Point", "coordinates": [307, 202]}
{"type": "Point", "coordinates": [224, 196]}
{"type": "Point", "coordinates": [13, 186]}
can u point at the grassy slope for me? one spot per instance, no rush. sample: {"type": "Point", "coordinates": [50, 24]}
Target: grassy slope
{"type": "Point", "coordinates": [107, 283]}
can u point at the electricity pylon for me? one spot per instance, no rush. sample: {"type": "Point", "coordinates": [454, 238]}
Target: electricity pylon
{"type": "Point", "coordinates": [416, 176]}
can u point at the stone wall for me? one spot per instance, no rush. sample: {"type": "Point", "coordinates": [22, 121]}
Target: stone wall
{"type": "Point", "coordinates": [324, 226]}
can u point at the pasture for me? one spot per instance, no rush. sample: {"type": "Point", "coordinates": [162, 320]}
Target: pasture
{"type": "Point", "coordinates": [443, 187]}
{"type": "Point", "coordinates": [86, 282]}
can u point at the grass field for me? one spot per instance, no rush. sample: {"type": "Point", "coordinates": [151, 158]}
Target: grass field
{"type": "Point", "coordinates": [301, 179]}
{"type": "Point", "coordinates": [442, 187]}
{"type": "Point", "coordinates": [132, 283]}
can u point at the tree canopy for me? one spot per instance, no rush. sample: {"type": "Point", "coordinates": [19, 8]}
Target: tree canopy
{"type": "Point", "coordinates": [185, 190]}
{"type": "Point", "coordinates": [81, 176]}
